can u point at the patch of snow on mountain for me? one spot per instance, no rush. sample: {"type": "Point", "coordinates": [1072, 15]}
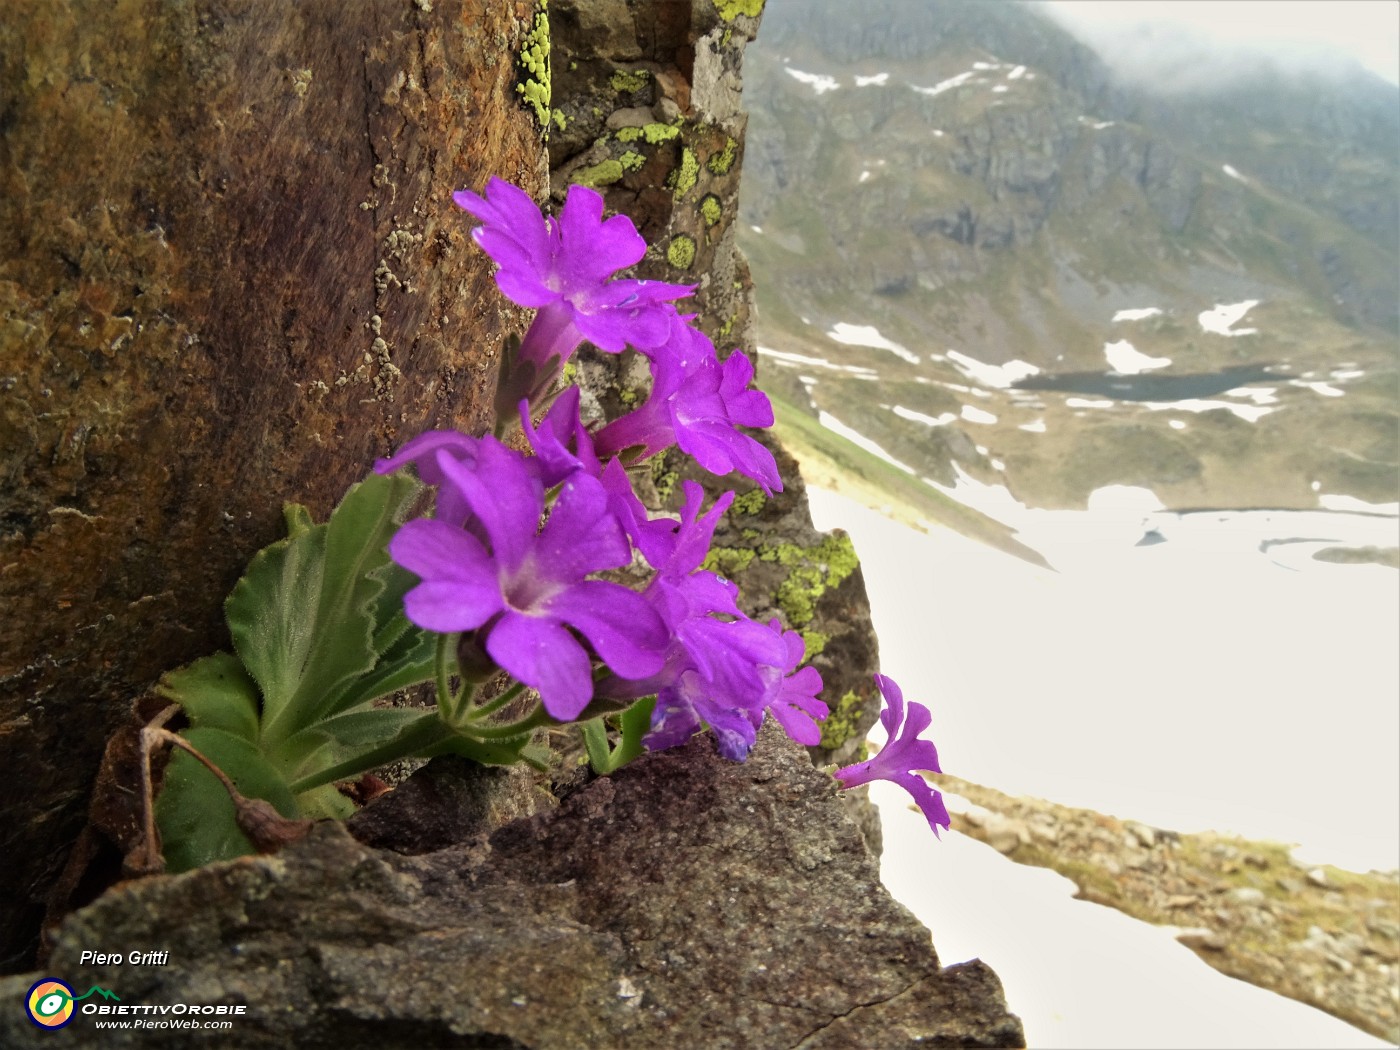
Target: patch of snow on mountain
{"type": "Point", "coordinates": [1084, 402]}
{"type": "Point", "coordinates": [1232, 173]}
{"type": "Point", "coordinates": [878, 80]}
{"type": "Point", "coordinates": [984, 66]}
{"type": "Point", "coordinates": [1249, 413]}
{"type": "Point", "coordinates": [1139, 314]}
{"type": "Point", "coordinates": [756, 229]}
{"type": "Point", "coordinates": [1017, 73]}
{"type": "Point", "coordinates": [999, 376]}
{"type": "Point", "coordinates": [1177, 424]}
{"type": "Point", "coordinates": [1097, 125]}
{"type": "Point", "coordinates": [819, 82]}
{"type": "Point", "coordinates": [782, 357]}
{"type": "Point", "coordinates": [937, 133]}
{"type": "Point", "coordinates": [919, 417]}
{"type": "Point", "coordinates": [1000, 88]}
{"type": "Point", "coordinates": [867, 335]}
{"type": "Point", "coordinates": [1222, 318]}
{"type": "Point", "coordinates": [1126, 360]}
{"type": "Point", "coordinates": [863, 176]}
{"type": "Point", "coordinates": [1035, 427]}
{"type": "Point", "coordinates": [1353, 505]}
{"type": "Point", "coordinates": [1325, 389]}
{"type": "Point", "coordinates": [1260, 395]}
{"type": "Point", "coordinates": [834, 425]}
{"type": "Point", "coordinates": [1343, 374]}
{"type": "Point", "coordinates": [976, 415]}
{"type": "Point", "coordinates": [945, 85]}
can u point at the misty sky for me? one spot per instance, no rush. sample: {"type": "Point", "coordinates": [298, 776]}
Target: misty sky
{"type": "Point", "coordinates": [1302, 34]}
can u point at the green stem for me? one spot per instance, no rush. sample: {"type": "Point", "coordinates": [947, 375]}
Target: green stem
{"type": "Point", "coordinates": [536, 718]}
{"type": "Point", "coordinates": [413, 739]}
{"type": "Point", "coordinates": [492, 706]}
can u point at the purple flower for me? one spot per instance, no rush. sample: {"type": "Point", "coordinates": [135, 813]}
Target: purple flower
{"type": "Point", "coordinates": [562, 444]}
{"type": "Point", "coordinates": [423, 452]}
{"type": "Point", "coordinates": [698, 404]}
{"type": "Point", "coordinates": [563, 267]}
{"type": "Point", "coordinates": [903, 755]}
{"type": "Point", "coordinates": [796, 706]}
{"type": "Point", "coordinates": [525, 588]}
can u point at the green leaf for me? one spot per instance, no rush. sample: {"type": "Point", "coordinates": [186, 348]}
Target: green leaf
{"type": "Point", "coordinates": [216, 693]}
{"type": "Point", "coordinates": [270, 615]}
{"type": "Point", "coordinates": [305, 616]}
{"type": "Point", "coordinates": [194, 812]}
{"type": "Point", "coordinates": [595, 743]}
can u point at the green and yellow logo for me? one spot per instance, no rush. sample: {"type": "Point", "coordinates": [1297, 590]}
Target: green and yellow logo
{"type": "Point", "coordinates": [50, 1001]}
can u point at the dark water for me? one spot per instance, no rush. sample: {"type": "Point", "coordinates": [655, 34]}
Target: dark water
{"type": "Point", "coordinates": [1153, 387]}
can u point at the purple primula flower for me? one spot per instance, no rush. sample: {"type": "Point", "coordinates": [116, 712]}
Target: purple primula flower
{"type": "Point", "coordinates": [526, 586]}
{"type": "Point", "coordinates": [796, 706]}
{"type": "Point", "coordinates": [698, 403]}
{"type": "Point", "coordinates": [562, 444]}
{"type": "Point", "coordinates": [423, 452]}
{"type": "Point", "coordinates": [563, 267]}
{"type": "Point", "coordinates": [903, 755]}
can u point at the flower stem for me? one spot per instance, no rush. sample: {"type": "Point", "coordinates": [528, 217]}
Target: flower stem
{"type": "Point", "coordinates": [413, 739]}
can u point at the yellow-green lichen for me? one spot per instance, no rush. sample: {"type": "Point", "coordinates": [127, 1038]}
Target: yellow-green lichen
{"type": "Point", "coordinates": [731, 9]}
{"type": "Point", "coordinates": [626, 81]}
{"type": "Point", "coordinates": [749, 534]}
{"type": "Point", "coordinates": [728, 326]}
{"type": "Point", "coordinates": [813, 571]}
{"type": "Point", "coordinates": [604, 174]}
{"type": "Point", "coordinates": [663, 480]}
{"type": "Point", "coordinates": [814, 641]}
{"type": "Point", "coordinates": [841, 723]}
{"type": "Point", "coordinates": [628, 396]}
{"type": "Point", "coordinates": [722, 161]}
{"type": "Point", "coordinates": [710, 209]}
{"type": "Point", "coordinates": [728, 561]}
{"type": "Point", "coordinates": [687, 174]}
{"type": "Point", "coordinates": [631, 160]}
{"type": "Point", "coordinates": [681, 253]}
{"type": "Point", "coordinates": [628, 134]}
{"type": "Point", "coordinates": [749, 502]}
{"type": "Point", "coordinates": [533, 61]}
{"type": "Point", "coordinates": [658, 133]}
{"type": "Point", "coordinates": [570, 373]}
{"type": "Point", "coordinates": [560, 120]}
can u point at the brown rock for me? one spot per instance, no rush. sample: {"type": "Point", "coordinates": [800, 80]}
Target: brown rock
{"type": "Point", "coordinates": [233, 277]}
{"type": "Point", "coordinates": [685, 901]}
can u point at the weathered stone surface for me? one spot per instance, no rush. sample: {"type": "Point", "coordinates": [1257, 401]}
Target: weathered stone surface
{"type": "Point", "coordinates": [651, 96]}
{"type": "Point", "coordinates": [685, 901]}
{"type": "Point", "coordinates": [233, 276]}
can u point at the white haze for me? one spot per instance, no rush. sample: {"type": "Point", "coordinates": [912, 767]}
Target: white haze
{"type": "Point", "coordinates": [1178, 46]}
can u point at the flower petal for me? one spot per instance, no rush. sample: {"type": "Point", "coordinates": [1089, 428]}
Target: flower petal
{"type": "Point", "coordinates": [624, 630]}
{"type": "Point", "coordinates": [545, 656]}
{"type": "Point", "coordinates": [459, 589]}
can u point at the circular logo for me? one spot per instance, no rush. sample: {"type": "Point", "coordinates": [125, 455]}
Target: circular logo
{"type": "Point", "coordinates": [50, 1003]}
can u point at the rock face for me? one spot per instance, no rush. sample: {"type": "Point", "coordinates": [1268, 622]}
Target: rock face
{"type": "Point", "coordinates": [685, 901]}
{"type": "Point", "coordinates": [238, 278]}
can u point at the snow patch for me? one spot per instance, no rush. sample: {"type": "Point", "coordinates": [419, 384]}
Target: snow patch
{"type": "Point", "coordinates": [867, 335]}
{"type": "Point", "coordinates": [1222, 318]}
{"type": "Point", "coordinates": [1085, 402]}
{"type": "Point", "coordinates": [1035, 427]}
{"type": "Point", "coordinates": [1232, 173]}
{"type": "Point", "coordinates": [1017, 73]}
{"type": "Point", "coordinates": [976, 415]}
{"type": "Point", "coordinates": [1353, 505]}
{"type": "Point", "coordinates": [999, 376]}
{"type": "Point", "coordinates": [1249, 413]}
{"type": "Point", "coordinates": [878, 80]}
{"type": "Point", "coordinates": [1325, 389]}
{"type": "Point", "coordinates": [919, 417]}
{"type": "Point", "coordinates": [1126, 360]}
{"type": "Point", "coordinates": [819, 82]}
{"type": "Point", "coordinates": [863, 176]}
{"type": "Point", "coordinates": [1177, 424]}
{"type": "Point", "coordinates": [1138, 314]}
{"type": "Point", "coordinates": [945, 85]}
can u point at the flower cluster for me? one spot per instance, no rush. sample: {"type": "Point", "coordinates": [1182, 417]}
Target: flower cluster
{"type": "Point", "coordinates": [511, 558]}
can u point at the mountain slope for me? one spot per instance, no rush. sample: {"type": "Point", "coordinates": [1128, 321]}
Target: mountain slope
{"type": "Point", "coordinates": [951, 206]}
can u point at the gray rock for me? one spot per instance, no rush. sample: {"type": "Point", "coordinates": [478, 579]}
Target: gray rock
{"type": "Point", "coordinates": [686, 901]}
